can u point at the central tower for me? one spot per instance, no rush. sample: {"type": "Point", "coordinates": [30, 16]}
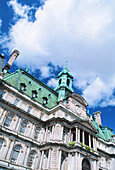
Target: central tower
{"type": "Point", "coordinates": [64, 83]}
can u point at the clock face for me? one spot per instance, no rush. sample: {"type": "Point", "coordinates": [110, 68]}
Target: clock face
{"type": "Point", "coordinates": [78, 109]}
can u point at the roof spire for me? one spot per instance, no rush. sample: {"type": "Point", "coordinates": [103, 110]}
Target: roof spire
{"type": "Point", "coordinates": [66, 65]}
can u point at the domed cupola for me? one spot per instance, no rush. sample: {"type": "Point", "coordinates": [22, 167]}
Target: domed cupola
{"type": "Point", "coordinates": [64, 83]}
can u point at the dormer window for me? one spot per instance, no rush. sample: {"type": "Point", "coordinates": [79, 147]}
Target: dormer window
{"type": "Point", "coordinates": [34, 94]}
{"type": "Point", "coordinates": [22, 86]}
{"type": "Point", "coordinates": [45, 100]}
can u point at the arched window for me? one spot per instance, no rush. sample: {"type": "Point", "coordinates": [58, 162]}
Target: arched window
{"type": "Point", "coordinates": [31, 159]}
{"type": "Point", "coordinates": [23, 127]}
{"type": "Point", "coordinates": [64, 161]}
{"type": "Point", "coordinates": [15, 153]}
{"type": "Point", "coordinates": [59, 81]}
{"type": "Point", "coordinates": [8, 119]}
{"type": "Point", "coordinates": [1, 143]}
{"type": "Point", "coordinates": [68, 81]}
{"type": "Point", "coordinates": [85, 165]}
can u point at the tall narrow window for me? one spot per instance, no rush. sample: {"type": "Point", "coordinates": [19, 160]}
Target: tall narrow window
{"type": "Point", "coordinates": [73, 132]}
{"type": "Point", "coordinates": [91, 141]}
{"type": "Point", "coordinates": [37, 132]}
{"type": "Point", "coordinates": [1, 143]}
{"type": "Point", "coordinates": [31, 158]}
{"type": "Point", "coordinates": [86, 135]}
{"type": "Point", "coordinates": [68, 81]}
{"type": "Point", "coordinates": [23, 127]}
{"type": "Point", "coordinates": [59, 81]}
{"type": "Point", "coordinates": [15, 153]}
{"type": "Point", "coordinates": [85, 164]}
{"type": "Point", "coordinates": [8, 120]}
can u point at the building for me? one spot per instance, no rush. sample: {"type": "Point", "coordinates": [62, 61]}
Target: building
{"type": "Point", "coordinates": [46, 129]}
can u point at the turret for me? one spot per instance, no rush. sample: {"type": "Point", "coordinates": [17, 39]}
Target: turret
{"type": "Point", "coordinates": [64, 83]}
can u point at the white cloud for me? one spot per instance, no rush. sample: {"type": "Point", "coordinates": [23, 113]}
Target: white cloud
{"type": "Point", "coordinates": [78, 31]}
{"type": "Point", "coordinates": [52, 82]}
{"type": "Point", "coordinates": [45, 71]}
{"type": "Point", "coordinates": [18, 8]}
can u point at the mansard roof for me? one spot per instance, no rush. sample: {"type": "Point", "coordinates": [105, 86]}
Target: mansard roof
{"type": "Point", "coordinates": [32, 84]}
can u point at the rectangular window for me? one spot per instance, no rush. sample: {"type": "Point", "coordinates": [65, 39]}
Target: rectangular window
{"type": "Point", "coordinates": [73, 132]}
{"type": "Point", "coordinates": [29, 109]}
{"type": "Point", "coordinates": [2, 93]}
{"type": "Point", "coordinates": [23, 127]}
{"type": "Point", "coordinates": [86, 135]}
{"type": "Point", "coordinates": [16, 102]}
{"type": "Point", "coordinates": [8, 120]}
{"type": "Point", "coordinates": [91, 141]}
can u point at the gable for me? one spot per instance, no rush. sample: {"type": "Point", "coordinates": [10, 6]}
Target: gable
{"type": "Point", "coordinates": [89, 125]}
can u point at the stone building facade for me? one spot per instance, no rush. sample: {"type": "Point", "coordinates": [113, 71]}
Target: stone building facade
{"type": "Point", "coordinates": [46, 129]}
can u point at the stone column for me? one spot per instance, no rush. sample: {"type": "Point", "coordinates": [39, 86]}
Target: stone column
{"type": "Point", "coordinates": [59, 160]}
{"type": "Point", "coordinates": [3, 116]}
{"type": "Point", "coordinates": [52, 132]}
{"type": "Point", "coordinates": [41, 160]}
{"type": "Point", "coordinates": [89, 140]}
{"type": "Point", "coordinates": [1, 111]}
{"type": "Point", "coordinates": [10, 150]}
{"type": "Point", "coordinates": [49, 158]}
{"type": "Point", "coordinates": [18, 124]}
{"type": "Point", "coordinates": [94, 144]}
{"type": "Point", "coordinates": [32, 131]}
{"type": "Point", "coordinates": [76, 134]}
{"type": "Point", "coordinates": [78, 162]}
{"type": "Point", "coordinates": [26, 156]}
{"type": "Point", "coordinates": [83, 138]}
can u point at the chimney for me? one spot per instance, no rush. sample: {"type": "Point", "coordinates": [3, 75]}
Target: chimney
{"type": "Point", "coordinates": [13, 56]}
{"type": "Point", "coordinates": [97, 116]}
{"type": "Point", "coordinates": [1, 62]}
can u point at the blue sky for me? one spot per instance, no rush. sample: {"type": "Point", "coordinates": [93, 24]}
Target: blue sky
{"type": "Point", "coordinates": [49, 32]}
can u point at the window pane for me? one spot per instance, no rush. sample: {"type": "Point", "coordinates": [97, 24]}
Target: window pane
{"type": "Point", "coordinates": [16, 102]}
{"type": "Point", "coordinates": [15, 153]}
{"type": "Point", "coordinates": [23, 127]}
{"type": "Point", "coordinates": [31, 158]}
{"type": "Point", "coordinates": [29, 109]}
{"type": "Point", "coordinates": [1, 143]}
{"type": "Point", "coordinates": [8, 120]}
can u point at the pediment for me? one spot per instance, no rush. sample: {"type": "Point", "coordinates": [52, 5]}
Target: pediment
{"type": "Point", "coordinates": [87, 124]}
{"type": "Point", "coordinates": [79, 99]}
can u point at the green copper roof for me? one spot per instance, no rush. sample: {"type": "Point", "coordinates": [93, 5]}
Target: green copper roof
{"type": "Point", "coordinates": [108, 133]}
{"type": "Point", "coordinates": [32, 84]}
{"type": "Point", "coordinates": [65, 71]}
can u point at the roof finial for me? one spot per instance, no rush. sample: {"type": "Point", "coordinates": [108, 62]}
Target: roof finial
{"type": "Point", "coordinates": [66, 65]}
